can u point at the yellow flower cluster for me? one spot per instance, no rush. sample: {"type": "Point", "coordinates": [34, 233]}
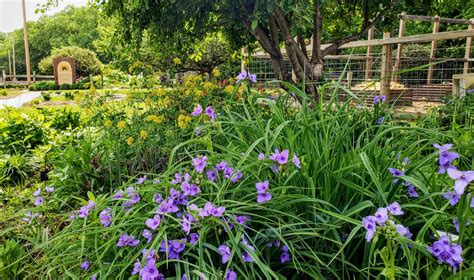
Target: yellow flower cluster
{"type": "Point", "coordinates": [156, 119]}
{"type": "Point", "coordinates": [143, 134]}
{"type": "Point", "coordinates": [121, 125]}
{"type": "Point", "coordinates": [130, 141]}
{"type": "Point", "coordinates": [176, 60]}
{"type": "Point", "coordinates": [183, 121]}
{"type": "Point", "coordinates": [216, 72]}
{"type": "Point", "coordinates": [209, 86]}
{"type": "Point", "coordinates": [229, 89]}
{"type": "Point", "coordinates": [164, 102]}
{"type": "Point", "coordinates": [108, 123]}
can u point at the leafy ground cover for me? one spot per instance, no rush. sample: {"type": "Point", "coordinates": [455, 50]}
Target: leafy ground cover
{"type": "Point", "coordinates": [218, 181]}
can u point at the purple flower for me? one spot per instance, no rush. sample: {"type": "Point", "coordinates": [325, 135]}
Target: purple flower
{"type": "Point", "coordinates": [197, 110]}
{"type": "Point", "coordinates": [175, 247]}
{"type": "Point", "coordinates": [396, 172]}
{"type": "Point", "coordinates": [237, 177]}
{"type": "Point", "coordinates": [221, 165]}
{"type": "Point", "coordinates": [230, 275]}
{"type": "Point", "coordinates": [379, 99]}
{"type": "Point", "coordinates": [126, 240]}
{"type": "Point", "coordinates": [447, 252]}
{"type": "Point", "coordinates": [452, 197]}
{"type": "Point", "coordinates": [262, 187]}
{"type": "Point", "coordinates": [228, 171]}
{"type": "Point", "coordinates": [177, 179]}
{"type": "Point", "coordinates": [38, 201]}
{"type": "Point", "coordinates": [285, 255]}
{"type": "Point", "coordinates": [446, 157]}
{"type": "Point", "coordinates": [381, 216]}
{"type": "Point", "coordinates": [380, 120]}
{"type": "Point", "coordinates": [37, 192]}
{"type": "Point", "coordinates": [261, 156]}
{"type": "Point", "coordinates": [199, 163]}
{"type": "Point", "coordinates": [118, 195]}
{"type": "Point", "coordinates": [403, 231]}
{"type": "Point", "coordinates": [412, 191]}
{"type": "Point", "coordinates": [472, 202]}
{"type": "Point", "coordinates": [210, 112]}
{"type": "Point", "coordinates": [210, 210]}
{"type": "Point", "coordinates": [193, 238]}
{"type": "Point", "coordinates": [253, 78]}
{"type": "Point", "coordinates": [242, 219]}
{"type": "Point", "coordinates": [94, 277]}
{"type": "Point", "coordinates": [147, 235]}
{"type": "Point", "coordinates": [296, 161]}
{"type": "Point", "coordinates": [136, 267]}
{"type": "Point", "coordinates": [186, 223]}
{"type": "Point", "coordinates": [105, 217]}
{"type": "Point", "coordinates": [275, 168]}
{"type": "Point", "coordinates": [197, 131]}
{"type": "Point", "coordinates": [49, 189]}
{"type": "Point", "coordinates": [141, 180]}
{"type": "Point", "coordinates": [85, 265]}
{"type": "Point", "coordinates": [395, 209]}
{"type": "Point", "coordinates": [245, 255]}
{"type": "Point", "coordinates": [154, 222]}
{"type": "Point", "coordinates": [184, 277]}
{"type": "Point", "coordinates": [242, 76]}
{"type": "Point", "coordinates": [211, 175]}
{"type": "Point", "coordinates": [462, 179]}
{"type": "Point", "coordinates": [167, 206]}
{"type": "Point", "coordinates": [84, 212]}
{"type": "Point", "coordinates": [281, 158]}
{"type": "Point", "coordinates": [369, 224]}
{"type": "Point", "coordinates": [456, 224]}
{"type": "Point", "coordinates": [150, 272]}
{"type": "Point", "coordinates": [224, 250]}
{"type": "Point", "coordinates": [158, 198]}
{"type": "Point", "coordinates": [263, 197]}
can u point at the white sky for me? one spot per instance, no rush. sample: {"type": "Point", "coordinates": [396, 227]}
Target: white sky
{"type": "Point", "coordinates": [11, 16]}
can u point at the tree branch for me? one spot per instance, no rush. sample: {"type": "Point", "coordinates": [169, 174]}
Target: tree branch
{"type": "Point", "coordinates": [317, 32]}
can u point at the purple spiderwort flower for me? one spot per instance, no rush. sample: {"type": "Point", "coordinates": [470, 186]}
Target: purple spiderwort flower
{"type": "Point", "coordinates": [199, 163]}
{"type": "Point", "coordinates": [94, 277]}
{"type": "Point", "coordinates": [236, 177]}
{"type": "Point", "coordinates": [105, 217]}
{"type": "Point", "coordinates": [197, 110]}
{"type": "Point", "coordinates": [395, 209]}
{"type": "Point", "coordinates": [211, 175]}
{"type": "Point", "coordinates": [141, 180]}
{"type": "Point", "coordinates": [224, 250]}
{"type": "Point", "coordinates": [261, 156]}
{"type": "Point", "coordinates": [197, 131]}
{"type": "Point", "coordinates": [49, 189]}
{"type": "Point", "coordinates": [296, 161]}
{"type": "Point", "coordinates": [210, 210]}
{"type": "Point", "coordinates": [154, 222]}
{"type": "Point", "coordinates": [37, 192]}
{"type": "Point", "coordinates": [178, 178]}
{"type": "Point", "coordinates": [456, 224]}
{"type": "Point", "coordinates": [285, 255]}
{"type": "Point", "coordinates": [136, 267]}
{"type": "Point", "coordinates": [147, 235]}
{"type": "Point", "coordinates": [186, 222]}
{"type": "Point", "coordinates": [158, 198]}
{"type": "Point", "coordinates": [446, 157]}
{"type": "Point", "coordinates": [245, 255]}
{"type": "Point", "coordinates": [150, 272]}
{"type": "Point", "coordinates": [193, 238]}
{"type": "Point", "coordinates": [462, 179]}
{"type": "Point", "coordinates": [118, 195]}
{"type": "Point", "coordinates": [175, 247]}
{"type": "Point", "coordinates": [263, 195]}
{"type": "Point", "coordinates": [230, 275]}
{"type": "Point", "coordinates": [275, 168]}
{"type": "Point", "coordinates": [228, 171]}
{"type": "Point", "coordinates": [403, 231]}
{"type": "Point", "coordinates": [38, 201]}
{"type": "Point", "coordinates": [380, 120]}
{"type": "Point", "coordinates": [221, 165]}
{"type": "Point", "coordinates": [381, 216]}
{"type": "Point", "coordinates": [379, 99]}
{"type": "Point", "coordinates": [369, 224]}
{"type": "Point", "coordinates": [472, 202]}
{"type": "Point", "coordinates": [127, 240]}
{"type": "Point", "coordinates": [411, 190]}
{"type": "Point", "coordinates": [85, 265]}
{"type": "Point", "coordinates": [242, 219]}
{"type": "Point", "coordinates": [280, 157]}
{"type": "Point", "coordinates": [210, 112]}
{"type": "Point", "coordinates": [242, 75]}
{"type": "Point", "coordinates": [396, 173]}
{"type": "Point", "coordinates": [184, 277]}
{"type": "Point", "coordinates": [452, 197]}
{"type": "Point", "coordinates": [190, 189]}
{"type": "Point", "coordinates": [447, 252]}
{"type": "Point", "coordinates": [253, 78]}
{"type": "Point", "coordinates": [262, 187]}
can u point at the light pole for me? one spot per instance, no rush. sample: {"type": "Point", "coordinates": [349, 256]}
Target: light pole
{"type": "Point", "coordinates": [27, 48]}
{"type": "Point", "coordinates": [9, 63]}
{"type": "Point", "coordinates": [13, 57]}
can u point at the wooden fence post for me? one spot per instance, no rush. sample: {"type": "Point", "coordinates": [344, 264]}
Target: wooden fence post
{"type": "Point", "coordinates": [433, 50]}
{"type": "Point", "coordinates": [4, 77]}
{"type": "Point", "coordinates": [349, 79]}
{"type": "Point", "coordinates": [401, 32]}
{"type": "Point", "coordinates": [242, 61]}
{"type": "Point", "coordinates": [34, 76]}
{"type": "Point", "coordinates": [368, 60]}
{"type": "Point", "coordinates": [386, 67]}
{"type": "Point", "coordinates": [467, 55]}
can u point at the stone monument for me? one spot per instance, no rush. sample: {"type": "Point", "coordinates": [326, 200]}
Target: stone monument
{"type": "Point", "coordinates": [64, 70]}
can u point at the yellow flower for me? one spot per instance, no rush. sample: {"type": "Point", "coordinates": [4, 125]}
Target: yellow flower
{"type": "Point", "coordinates": [130, 141]}
{"type": "Point", "coordinates": [199, 93]}
{"type": "Point", "coordinates": [229, 89]}
{"type": "Point", "coordinates": [121, 125]}
{"type": "Point", "coordinates": [108, 123]}
{"type": "Point", "coordinates": [156, 119]}
{"type": "Point", "coordinates": [183, 121]}
{"type": "Point", "coordinates": [143, 134]}
{"type": "Point", "coordinates": [216, 72]}
{"type": "Point", "coordinates": [176, 60]}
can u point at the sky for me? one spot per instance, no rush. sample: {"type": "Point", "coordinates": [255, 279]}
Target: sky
{"type": "Point", "coordinates": [11, 16]}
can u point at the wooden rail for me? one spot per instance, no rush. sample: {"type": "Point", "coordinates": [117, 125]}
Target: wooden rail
{"type": "Point", "coordinates": [433, 19]}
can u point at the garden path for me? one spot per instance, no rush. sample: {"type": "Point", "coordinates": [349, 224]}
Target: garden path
{"type": "Point", "coordinates": [19, 100]}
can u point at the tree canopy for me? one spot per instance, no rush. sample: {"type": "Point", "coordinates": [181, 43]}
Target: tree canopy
{"type": "Point", "coordinates": [86, 61]}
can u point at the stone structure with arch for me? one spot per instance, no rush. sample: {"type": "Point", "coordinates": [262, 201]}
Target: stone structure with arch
{"type": "Point", "coordinates": [64, 70]}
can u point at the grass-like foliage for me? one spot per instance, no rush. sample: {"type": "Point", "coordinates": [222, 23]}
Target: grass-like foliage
{"type": "Point", "coordinates": [259, 188]}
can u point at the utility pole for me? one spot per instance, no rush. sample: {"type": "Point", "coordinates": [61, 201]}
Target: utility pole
{"type": "Point", "coordinates": [9, 63]}
{"type": "Point", "coordinates": [13, 57]}
{"type": "Point", "coordinates": [27, 48]}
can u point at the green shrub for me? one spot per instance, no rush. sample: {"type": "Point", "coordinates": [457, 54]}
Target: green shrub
{"type": "Point", "coordinates": [46, 95]}
{"type": "Point", "coordinates": [11, 252]}
{"type": "Point", "coordinates": [69, 95]}
{"type": "Point", "coordinates": [21, 133]}
{"type": "Point", "coordinates": [16, 168]}
{"type": "Point", "coordinates": [3, 92]}
{"type": "Point", "coordinates": [65, 119]}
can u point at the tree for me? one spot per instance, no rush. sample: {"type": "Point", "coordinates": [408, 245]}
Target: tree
{"type": "Point", "coordinates": [86, 61]}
